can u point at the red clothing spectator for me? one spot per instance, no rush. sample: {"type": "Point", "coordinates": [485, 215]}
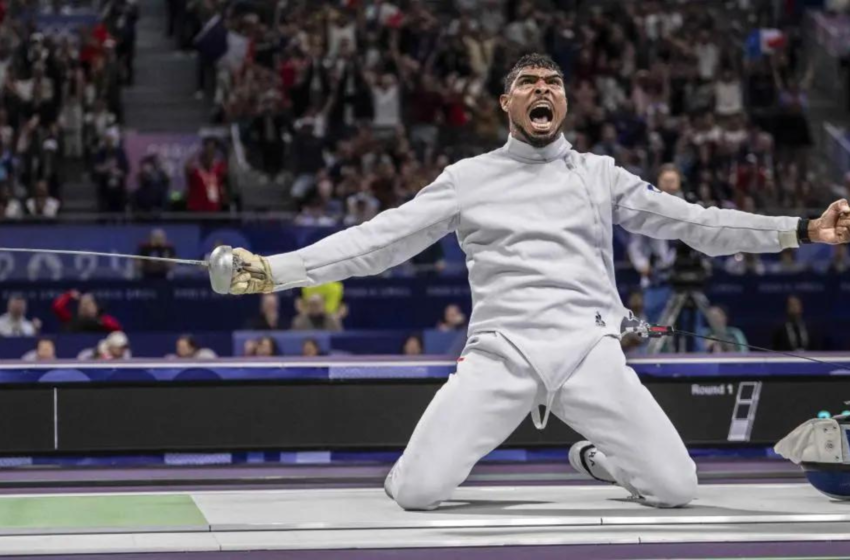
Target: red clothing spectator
{"type": "Point", "coordinates": [288, 71]}
{"type": "Point", "coordinates": [89, 318]}
{"type": "Point", "coordinates": [207, 181]}
{"type": "Point", "coordinates": [206, 188]}
{"type": "Point", "coordinates": [456, 115]}
{"type": "Point", "coordinates": [749, 178]}
{"type": "Point", "coordinates": [93, 45]}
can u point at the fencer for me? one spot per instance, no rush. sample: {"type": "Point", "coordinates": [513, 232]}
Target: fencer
{"type": "Point", "coordinates": [535, 221]}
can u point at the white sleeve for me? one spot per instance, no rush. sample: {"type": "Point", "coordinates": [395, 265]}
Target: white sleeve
{"type": "Point", "coordinates": [390, 238]}
{"type": "Point", "coordinates": [641, 208]}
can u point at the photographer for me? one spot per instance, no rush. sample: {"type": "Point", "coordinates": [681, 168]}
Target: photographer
{"type": "Point", "coordinates": [652, 258]}
{"type": "Point", "coordinates": [672, 274]}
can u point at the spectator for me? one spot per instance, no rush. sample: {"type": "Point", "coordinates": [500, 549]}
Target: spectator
{"type": "Point", "coordinates": [332, 293]}
{"type": "Point", "coordinates": [121, 17]}
{"type": "Point", "coordinates": [41, 204]}
{"type": "Point", "coordinates": [794, 334]}
{"type": "Point", "coordinates": [310, 348]}
{"type": "Point", "coordinates": [453, 319]}
{"type": "Point", "coordinates": [10, 208]}
{"type": "Point", "coordinates": [308, 157]}
{"type": "Point", "coordinates": [787, 264]}
{"type": "Point", "coordinates": [265, 136]}
{"type": "Point", "coordinates": [341, 30]}
{"type": "Point", "coordinates": [266, 347]}
{"type": "Point", "coordinates": [157, 246]}
{"type": "Point", "coordinates": [608, 146]}
{"type": "Point", "coordinates": [413, 346]}
{"type": "Point", "coordinates": [72, 121]}
{"type": "Point", "coordinates": [650, 256]}
{"type": "Point", "coordinates": [733, 339]}
{"type": "Point", "coordinates": [361, 207]}
{"type": "Point", "coordinates": [117, 347]}
{"type": "Point", "coordinates": [14, 322]}
{"type": "Point", "coordinates": [88, 318]}
{"type": "Point", "coordinates": [708, 56]}
{"type": "Point", "coordinates": [110, 171]}
{"type": "Point", "coordinates": [45, 351]}
{"type": "Point", "coordinates": [325, 205]}
{"type": "Point", "coordinates": [386, 97]}
{"type": "Point", "coordinates": [649, 85]}
{"type": "Point", "coordinates": [745, 263]}
{"type": "Point", "coordinates": [317, 211]}
{"type": "Point", "coordinates": [151, 195]}
{"type": "Point", "coordinates": [98, 122]}
{"type": "Point", "coordinates": [312, 315]}
{"type": "Point", "coordinates": [187, 348]}
{"type": "Point", "coordinates": [269, 317]}
{"type": "Point", "coordinates": [207, 180]}
{"type": "Point", "coordinates": [729, 96]}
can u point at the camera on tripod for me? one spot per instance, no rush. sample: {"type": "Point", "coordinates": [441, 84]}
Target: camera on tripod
{"type": "Point", "coordinates": [689, 270]}
{"type": "Point", "coordinates": [688, 277]}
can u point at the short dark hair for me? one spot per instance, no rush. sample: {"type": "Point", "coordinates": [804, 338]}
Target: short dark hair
{"type": "Point", "coordinates": [533, 60]}
{"type": "Point", "coordinates": [668, 168]}
{"type": "Point", "coordinates": [190, 340]}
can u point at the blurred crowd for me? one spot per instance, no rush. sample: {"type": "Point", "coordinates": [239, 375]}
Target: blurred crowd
{"type": "Point", "coordinates": [319, 309]}
{"type": "Point", "coordinates": [364, 102]}
{"type": "Point", "coordinates": [61, 100]}
{"type": "Point", "coordinates": [81, 313]}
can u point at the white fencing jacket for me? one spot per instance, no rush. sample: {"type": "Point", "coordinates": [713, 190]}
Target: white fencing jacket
{"type": "Point", "coordinates": [536, 227]}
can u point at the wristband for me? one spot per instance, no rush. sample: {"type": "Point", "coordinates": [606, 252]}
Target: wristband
{"type": "Point", "coordinates": [803, 231]}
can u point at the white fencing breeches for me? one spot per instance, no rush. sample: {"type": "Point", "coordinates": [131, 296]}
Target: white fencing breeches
{"type": "Point", "coordinates": [494, 389]}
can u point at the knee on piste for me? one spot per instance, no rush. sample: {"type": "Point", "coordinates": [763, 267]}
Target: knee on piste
{"type": "Point", "coordinates": [414, 493]}
{"type": "Point", "coordinates": [676, 489]}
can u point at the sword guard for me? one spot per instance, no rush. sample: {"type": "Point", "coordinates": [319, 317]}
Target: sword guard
{"type": "Point", "coordinates": [222, 266]}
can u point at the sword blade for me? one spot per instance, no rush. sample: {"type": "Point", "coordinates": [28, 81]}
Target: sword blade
{"type": "Point", "coordinates": [189, 262]}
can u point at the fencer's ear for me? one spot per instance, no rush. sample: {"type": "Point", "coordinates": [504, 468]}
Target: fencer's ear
{"type": "Point", "coordinates": [503, 101]}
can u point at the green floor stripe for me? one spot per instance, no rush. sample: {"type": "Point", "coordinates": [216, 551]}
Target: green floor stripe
{"type": "Point", "coordinates": [130, 511]}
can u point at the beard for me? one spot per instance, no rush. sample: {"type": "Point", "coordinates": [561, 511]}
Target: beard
{"type": "Point", "coordinates": [534, 140]}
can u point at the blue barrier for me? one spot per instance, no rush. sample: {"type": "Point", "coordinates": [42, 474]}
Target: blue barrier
{"type": "Point", "coordinates": [158, 345]}
{"type": "Point", "coordinates": [371, 367]}
{"type": "Point", "coordinates": [145, 345]}
{"type": "Point", "coordinates": [347, 342]}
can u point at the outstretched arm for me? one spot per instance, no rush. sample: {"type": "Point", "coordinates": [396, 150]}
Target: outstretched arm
{"type": "Point", "coordinates": [641, 208]}
{"type": "Point", "coordinates": [389, 239]}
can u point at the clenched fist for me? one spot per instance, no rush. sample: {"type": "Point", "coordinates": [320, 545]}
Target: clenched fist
{"type": "Point", "coordinates": [834, 226]}
{"type": "Point", "coordinates": [251, 274]}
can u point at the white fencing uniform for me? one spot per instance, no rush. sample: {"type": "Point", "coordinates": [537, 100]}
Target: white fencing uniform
{"type": "Point", "coordinates": [536, 227]}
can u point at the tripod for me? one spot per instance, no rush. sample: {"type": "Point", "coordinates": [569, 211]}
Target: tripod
{"type": "Point", "coordinates": [682, 299]}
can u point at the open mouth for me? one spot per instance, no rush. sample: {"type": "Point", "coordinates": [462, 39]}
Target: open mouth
{"type": "Point", "coordinates": [541, 116]}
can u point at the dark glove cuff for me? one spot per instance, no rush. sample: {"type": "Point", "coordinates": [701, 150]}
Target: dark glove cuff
{"type": "Point", "coordinates": [803, 231]}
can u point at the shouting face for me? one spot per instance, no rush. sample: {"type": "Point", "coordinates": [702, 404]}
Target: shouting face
{"type": "Point", "coordinates": [536, 104]}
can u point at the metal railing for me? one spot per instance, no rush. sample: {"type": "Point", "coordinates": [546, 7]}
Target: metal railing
{"type": "Point", "coordinates": [827, 41]}
{"type": "Point", "coordinates": [836, 146]}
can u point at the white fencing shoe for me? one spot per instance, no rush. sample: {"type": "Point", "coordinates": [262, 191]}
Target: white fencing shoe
{"type": "Point", "coordinates": [586, 459]}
